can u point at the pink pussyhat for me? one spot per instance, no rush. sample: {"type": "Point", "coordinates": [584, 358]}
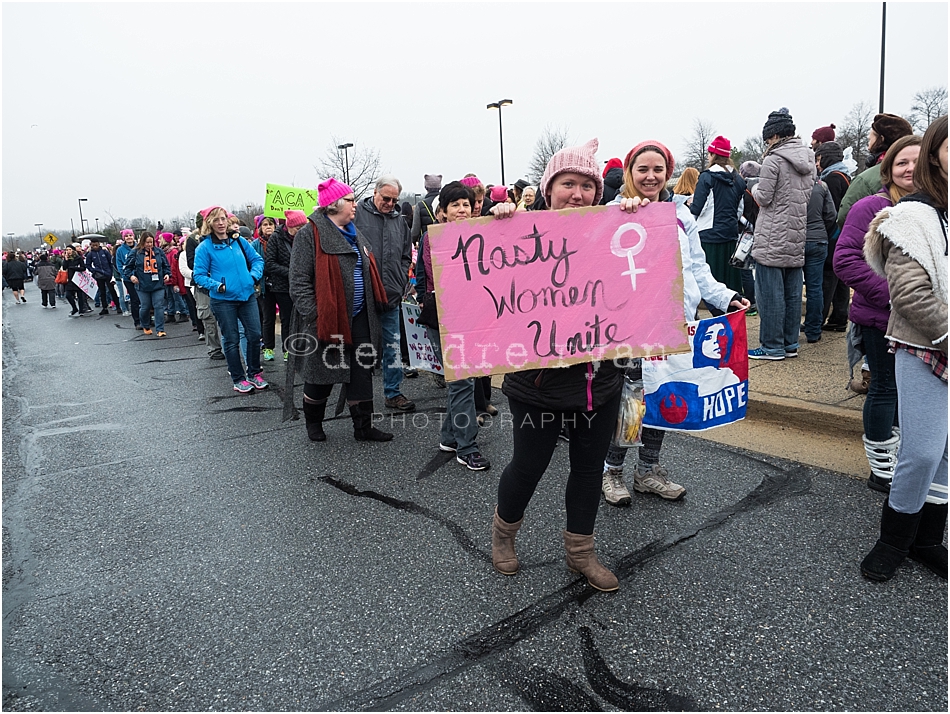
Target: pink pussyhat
{"type": "Point", "coordinates": [296, 218]}
{"type": "Point", "coordinates": [331, 191]}
{"type": "Point", "coordinates": [499, 194]}
{"type": "Point", "coordinates": [127, 232]}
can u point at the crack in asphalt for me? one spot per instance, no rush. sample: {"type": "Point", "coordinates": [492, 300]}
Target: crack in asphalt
{"type": "Point", "coordinates": [506, 633]}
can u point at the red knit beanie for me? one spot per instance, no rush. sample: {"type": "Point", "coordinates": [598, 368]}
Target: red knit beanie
{"type": "Point", "coordinates": [720, 146]}
{"type": "Point", "coordinates": [612, 164]}
{"type": "Point", "coordinates": [824, 133]}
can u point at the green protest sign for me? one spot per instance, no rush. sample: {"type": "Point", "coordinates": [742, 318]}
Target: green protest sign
{"type": "Point", "coordinates": [288, 198]}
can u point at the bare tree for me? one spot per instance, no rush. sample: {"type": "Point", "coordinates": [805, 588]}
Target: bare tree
{"type": "Point", "coordinates": [929, 104]}
{"type": "Point", "coordinates": [552, 140]}
{"type": "Point", "coordinates": [750, 150]}
{"type": "Point", "coordinates": [697, 143]}
{"type": "Point", "coordinates": [854, 131]}
{"type": "Point", "coordinates": [361, 164]}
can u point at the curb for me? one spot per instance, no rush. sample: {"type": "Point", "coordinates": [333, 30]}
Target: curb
{"type": "Point", "coordinates": [804, 414]}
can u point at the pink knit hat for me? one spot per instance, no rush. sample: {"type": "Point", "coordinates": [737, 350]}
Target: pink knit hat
{"type": "Point", "coordinates": [576, 159]}
{"type": "Point", "coordinates": [205, 212]}
{"type": "Point", "coordinates": [297, 218]}
{"type": "Point", "coordinates": [127, 232]}
{"type": "Point", "coordinates": [720, 146]}
{"type": "Point", "coordinates": [499, 194]}
{"type": "Point", "coordinates": [470, 181]}
{"type": "Point", "coordinates": [331, 191]}
{"type": "Point", "coordinates": [651, 142]}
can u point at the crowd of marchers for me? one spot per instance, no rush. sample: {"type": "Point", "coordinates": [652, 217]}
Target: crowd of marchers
{"type": "Point", "coordinates": [869, 249]}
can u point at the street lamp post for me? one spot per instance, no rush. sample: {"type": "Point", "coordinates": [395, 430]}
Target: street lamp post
{"type": "Point", "coordinates": [97, 225]}
{"type": "Point", "coordinates": [883, 26]}
{"type": "Point", "coordinates": [81, 224]}
{"type": "Point", "coordinates": [501, 140]}
{"type": "Point", "coordinates": [38, 231]}
{"type": "Point", "coordinates": [10, 242]}
{"type": "Point", "coordinates": [346, 161]}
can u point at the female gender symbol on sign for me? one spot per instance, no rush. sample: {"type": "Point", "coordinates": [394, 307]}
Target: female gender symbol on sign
{"type": "Point", "coordinates": [617, 249]}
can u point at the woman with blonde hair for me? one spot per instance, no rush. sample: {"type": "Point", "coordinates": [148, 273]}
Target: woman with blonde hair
{"type": "Point", "coordinates": [685, 187]}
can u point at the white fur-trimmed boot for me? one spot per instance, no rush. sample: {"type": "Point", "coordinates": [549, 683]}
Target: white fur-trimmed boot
{"type": "Point", "coordinates": [882, 456]}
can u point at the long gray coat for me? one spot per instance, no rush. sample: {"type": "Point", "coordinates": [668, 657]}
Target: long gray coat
{"type": "Point", "coordinates": [783, 191]}
{"type": "Point", "coordinates": [322, 365]}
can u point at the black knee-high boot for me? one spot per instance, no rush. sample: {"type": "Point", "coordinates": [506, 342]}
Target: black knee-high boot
{"type": "Point", "coordinates": [313, 413]}
{"type": "Point", "coordinates": [363, 429]}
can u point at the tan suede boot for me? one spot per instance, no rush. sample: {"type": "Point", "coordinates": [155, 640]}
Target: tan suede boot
{"type": "Point", "coordinates": [503, 555]}
{"type": "Point", "coordinates": [581, 558]}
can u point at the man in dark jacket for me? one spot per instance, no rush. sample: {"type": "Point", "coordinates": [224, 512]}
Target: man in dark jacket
{"type": "Point", "coordinates": [829, 160]}
{"type": "Point", "coordinates": [379, 221]}
{"type": "Point", "coordinates": [613, 181]}
{"type": "Point", "coordinates": [424, 215]}
{"type": "Point", "coordinates": [99, 263]}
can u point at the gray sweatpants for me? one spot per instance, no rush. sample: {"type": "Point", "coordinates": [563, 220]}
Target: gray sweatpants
{"type": "Point", "coordinates": [921, 471]}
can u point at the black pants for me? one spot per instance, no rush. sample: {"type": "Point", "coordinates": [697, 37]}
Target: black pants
{"type": "Point", "coordinates": [836, 294]}
{"type": "Point", "coordinates": [193, 311]}
{"type": "Point", "coordinates": [482, 393]}
{"type": "Point", "coordinates": [77, 300]}
{"type": "Point", "coordinates": [360, 386]}
{"type": "Point", "coordinates": [107, 292]}
{"type": "Point", "coordinates": [49, 295]}
{"type": "Point", "coordinates": [535, 437]}
{"type": "Point", "coordinates": [133, 300]}
{"type": "Point", "coordinates": [272, 300]}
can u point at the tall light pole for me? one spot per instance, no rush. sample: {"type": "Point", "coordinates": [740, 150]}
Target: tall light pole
{"type": "Point", "coordinates": [10, 242]}
{"type": "Point", "coordinates": [81, 229]}
{"type": "Point", "coordinates": [501, 139]}
{"type": "Point", "coordinates": [346, 161]}
{"type": "Point", "coordinates": [97, 225]}
{"type": "Point", "coordinates": [883, 26]}
{"type": "Point", "coordinates": [38, 231]}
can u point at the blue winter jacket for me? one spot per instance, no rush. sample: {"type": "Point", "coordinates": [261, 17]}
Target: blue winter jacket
{"type": "Point", "coordinates": [99, 263]}
{"type": "Point", "coordinates": [227, 262]}
{"type": "Point", "coordinates": [135, 265]}
{"type": "Point", "coordinates": [717, 204]}
{"type": "Point", "coordinates": [122, 254]}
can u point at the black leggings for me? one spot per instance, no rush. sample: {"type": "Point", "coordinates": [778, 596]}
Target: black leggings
{"type": "Point", "coordinates": [272, 300]}
{"type": "Point", "coordinates": [360, 387]}
{"type": "Point", "coordinates": [535, 437]}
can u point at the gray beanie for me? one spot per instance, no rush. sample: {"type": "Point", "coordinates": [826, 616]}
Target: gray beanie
{"type": "Point", "coordinates": [749, 169]}
{"type": "Point", "coordinates": [830, 152]}
{"type": "Point", "coordinates": [433, 182]}
{"type": "Point", "coordinates": [779, 124]}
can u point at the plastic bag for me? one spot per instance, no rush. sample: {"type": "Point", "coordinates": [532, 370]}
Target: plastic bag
{"type": "Point", "coordinates": [630, 418]}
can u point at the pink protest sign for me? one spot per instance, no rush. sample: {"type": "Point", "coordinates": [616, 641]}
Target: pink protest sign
{"type": "Point", "coordinates": [554, 288]}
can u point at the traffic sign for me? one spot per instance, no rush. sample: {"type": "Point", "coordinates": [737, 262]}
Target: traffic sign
{"type": "Point", "coordinates": [50, 239]}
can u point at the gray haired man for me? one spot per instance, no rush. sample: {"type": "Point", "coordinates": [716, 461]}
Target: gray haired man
{"type": "Point", "coordinates": [379, 220]}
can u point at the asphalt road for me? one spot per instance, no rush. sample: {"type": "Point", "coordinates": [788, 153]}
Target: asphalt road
{"type": "Point", "coordinates": [171, 545]}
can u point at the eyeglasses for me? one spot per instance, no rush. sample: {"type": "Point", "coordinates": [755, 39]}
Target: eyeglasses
{"type": "Point", "coordinates": [387, 199]}
{"type": "Point", "coordinates": [350, 200]}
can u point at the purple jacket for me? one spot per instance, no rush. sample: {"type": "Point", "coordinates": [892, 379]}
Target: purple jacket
{"type": "Point", "coordinates": [871, 304]}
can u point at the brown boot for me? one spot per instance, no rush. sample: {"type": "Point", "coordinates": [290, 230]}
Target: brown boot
{"type": "Point", "coordinates": [503, 555]}
{"type": "Point", "coordinates": [581, 558]}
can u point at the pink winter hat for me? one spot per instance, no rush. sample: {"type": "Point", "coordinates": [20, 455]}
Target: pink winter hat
{"type": "Point", "coordinates": [297, 218]}
{"type": "Point", "coordinates": [470, 181]}
{"type": "Point", "coordinates": [499, 194]}
{"type": "Point", "coordinates": [720, 146]}
{"type": "Point", "coordinates": [653, 144]}
{"type": "Point", "coordinates": [331, 191]}
{"type": "Point", "coordinates": [205, 212]}
{"type": "Point", "coordinates": [127, 232]}
{"type": "Point", "coordinates": [575, 159]}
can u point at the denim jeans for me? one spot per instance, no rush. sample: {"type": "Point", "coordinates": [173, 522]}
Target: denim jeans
{"type": "Point", "coordinates": [391, 322]}
{"type": "Point", "coordinates": [136, 306]}
{"type": "Point", "coordinates": [880, 405]}
{"type": "Point", "coordinates": [778, 293]}
{"type": "Point", "coordinates": [152, 300]}
{"type": "Point", "coordinates": [460, 424]}
{"type": "Point", "coordinates": [228, 314]}
{"type": "Point", "coordinates": [815, 253]}
{"type": "Point", "coordinates": [120, 291]}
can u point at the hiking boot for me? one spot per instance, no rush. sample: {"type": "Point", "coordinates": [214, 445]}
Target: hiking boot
{"type": "Point", "coordinates": [473, 461]}
{"type": "Point", "coordinates": [258, 381]}
{"type": "Point", "coordinates": [243, 386]}
{"type": "Point", "coordinates": [657, 481]}
{"type": "Point", "coordinates": [401, 403]}
{"type": "Point", "coordinates": [268, 355]}
{"type": "Point", "coordinates": [410, 373]}
{"type": "Point", "coordinates": [615, 492]}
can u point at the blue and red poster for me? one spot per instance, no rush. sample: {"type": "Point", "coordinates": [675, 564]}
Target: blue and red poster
{"type": "Point", "coordinates": [705, 388]}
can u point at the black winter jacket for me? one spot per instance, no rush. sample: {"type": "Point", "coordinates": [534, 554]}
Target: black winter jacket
{"type": "Point", "coordinates": [613, 182]}
{"type": "Point", "coordinates": [277, 261]}
{"type": "Point", "coordinates": [723, 190]}
{"type": "Point", "coordinates": [388, 236]}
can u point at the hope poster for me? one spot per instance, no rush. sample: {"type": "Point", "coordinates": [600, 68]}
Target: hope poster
{"type": "Point", "coordinates": [706, 387]}
{"type": "Point", "coordinates": [555, 288]}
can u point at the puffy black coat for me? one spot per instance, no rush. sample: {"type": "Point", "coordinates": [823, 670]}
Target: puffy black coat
{"type": "Point", "coordinates": [277, 261]}
{"type": "Point", "coordinates": [613, 182]}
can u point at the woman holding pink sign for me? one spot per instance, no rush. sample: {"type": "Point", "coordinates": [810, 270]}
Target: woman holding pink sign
{"type": "Point", "coordinates": [582, 396]}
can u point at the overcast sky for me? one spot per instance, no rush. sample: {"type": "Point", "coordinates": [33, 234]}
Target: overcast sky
{"type": "Point", "coordinates": [163, 109]}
